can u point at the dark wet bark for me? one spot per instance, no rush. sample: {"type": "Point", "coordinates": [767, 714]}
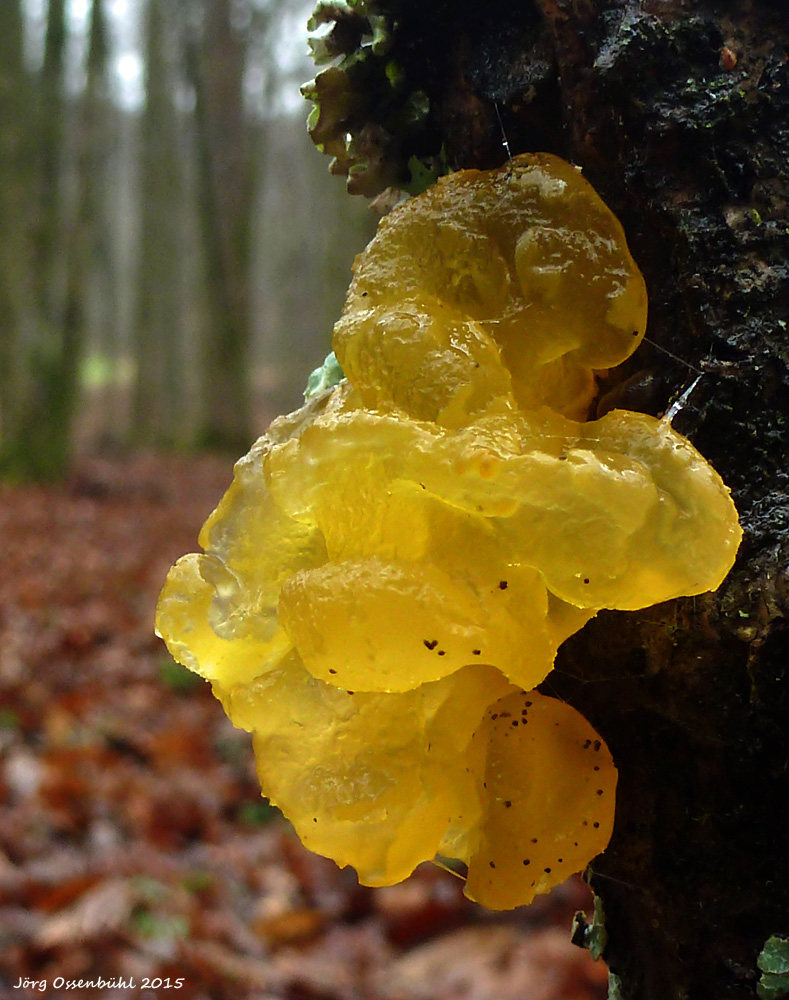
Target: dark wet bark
{"type": "Point", "coordinates": [678, 113]}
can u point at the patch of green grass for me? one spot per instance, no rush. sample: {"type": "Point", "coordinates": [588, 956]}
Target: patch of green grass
{"type": "Point", "coordinates": [176, 677]}
{"type": "Point", "coordinates": [99, 370]}
{"type": "Point", "coordinates": [9, 719]}
{"type": "Point", "coordinates": [257, 813]}
{"type": "Point", "coordinates": [197, 881]}
{"type": "Point", "coordinates": [155, 927]}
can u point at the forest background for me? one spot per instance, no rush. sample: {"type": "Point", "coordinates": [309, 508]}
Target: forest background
{"type": "Point", "coordinates": [173, 253]}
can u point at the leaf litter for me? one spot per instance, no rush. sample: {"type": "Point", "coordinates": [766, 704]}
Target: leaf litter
{"type": "Point", "coordinates": [133, 839]}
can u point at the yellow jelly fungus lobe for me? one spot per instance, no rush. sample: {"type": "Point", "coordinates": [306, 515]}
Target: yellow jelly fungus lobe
{"type": "Point", "coordinates": [395, 565]}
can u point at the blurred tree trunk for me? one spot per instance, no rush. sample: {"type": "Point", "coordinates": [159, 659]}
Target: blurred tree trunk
{"type": "Point", "coordinates": [16, 95]}
{"type": "Point", "coordinates": [82, 238]}
{"type": "Point", "coordinates": [215, 59]}
{"type": "Point", "coordinates": [158, 398]}
{"type": "Point", "coordinates": [36, 438]}
{"type": "Point", "coordinates": [678, 113]}
{"type": "Point", "coordinates": [312, 231]}
{"type": "Point", "coordinates": [47, 272]}
{"type": "Point", "coordinates": [45, 418]}
{"type": "Point", "coordinates": [48, 228]}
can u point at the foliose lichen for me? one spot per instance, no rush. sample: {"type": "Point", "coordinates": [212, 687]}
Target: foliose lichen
{"type": "Point", "coordinates": [773, 963]}
{"type": "Point", "coordinates": [326, 377]}
{"type": "Point", "coordinates": [366, 115]}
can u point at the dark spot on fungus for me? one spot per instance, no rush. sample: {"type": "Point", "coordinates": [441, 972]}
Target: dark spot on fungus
{"type": "Point", "coordinates": [534, 840]}
{"type": "Point", "coordinates": [514, 722]}
{"type": "Point", "coordinates": [635, 333]}
{"type": "Point", "coordinates": [596, 826]}
{"type": "Point", "coordinates": [350, 692]}
{"type": "Point", "coordinates": [332, 671]}
{"type": "Point", "coordinates": [597, 745]}
{"type": "Point", "coordinates": [494, 716]}
{"type": "Point", "coordinates": [430, 643]}
{"type": "Point", "coordinates": [507, 804]}
{"type": "Point", "coordinates": [442, 652]}
{"type": "Point", "coordinates": [492, 864]}
{"type": "Point", "coordinates": [502, 584]}
{"type": "Point", "coordinates": [529, 704]}
{"type": "Point", "coordinates": [562, 458]}
{"type": "Point", "coordinates": [559, 860]}
{"type": "Point", "coordinates": [314, 819]}
{"type": "Point", "coordinates": [599, 791]}
{"type": "Point", "coordinates": [586, 579]}
{"type": "Point", "coordinates": [526, 861]}
{"type": "Point", "coordinates": [587, 744]}
{"type": "Point", "coordinates": [595, 768]}
{"type": "Point", "coordinates": [477, 652]}
{"type": "Point", "coordinates": [364, 295]}
{"type": "Point", "coordinates": [547, 871]}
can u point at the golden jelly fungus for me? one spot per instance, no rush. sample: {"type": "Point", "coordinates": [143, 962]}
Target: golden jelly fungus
{"type": "Point", "coordinates": [395, 565]}
{"type": "Point", "coordinates": [489, 291]}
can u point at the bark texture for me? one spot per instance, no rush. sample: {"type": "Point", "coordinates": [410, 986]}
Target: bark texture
{"type": "Point", "coordinates": [678, 113]}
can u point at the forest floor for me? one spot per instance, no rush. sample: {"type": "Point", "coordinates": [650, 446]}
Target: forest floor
{"type": "Point", "coordinates": [134, 844]}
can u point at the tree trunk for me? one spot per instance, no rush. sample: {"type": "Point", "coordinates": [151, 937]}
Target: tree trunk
{"type": "Point", "coordinates": [82, 239]}
{"type": "Point", "coordinates": [46, 410]}
{"type": "Point", "coordinates": [158, 397]}
{"type": "Point", "coordinates": [15, 166]}
{"type": "Point", "coordinates": [677, 111]}
{"type": "Point", "coordinates": [46, 239]}
{"type": "Point", "coordinates": [216, 68]}
{"type": "Point", "coordinates": [34, 435]}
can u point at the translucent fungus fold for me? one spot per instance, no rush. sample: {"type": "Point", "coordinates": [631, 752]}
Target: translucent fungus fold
{"type": "Point", "coordinates": [492, 289]}
{"type": "Point", "coordinates": [547, 792]}
{"type": "Point", "coordinates": [395, 565]}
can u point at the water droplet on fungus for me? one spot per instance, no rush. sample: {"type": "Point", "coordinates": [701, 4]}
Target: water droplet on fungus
{"type": "Point", "coordinates": [451, 450]}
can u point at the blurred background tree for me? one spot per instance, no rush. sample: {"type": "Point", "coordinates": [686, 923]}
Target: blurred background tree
{"type": "Point", "coordinates": [172, 251]}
